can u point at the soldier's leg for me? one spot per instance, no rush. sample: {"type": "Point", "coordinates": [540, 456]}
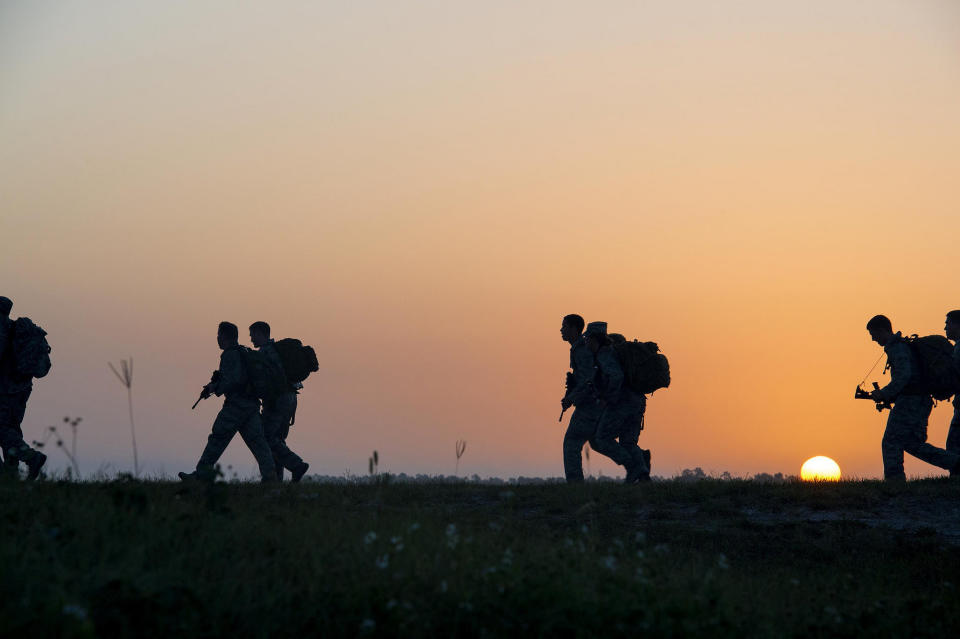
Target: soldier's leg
{"type": "Point", "coordinates": [608, 429]}
{"type": "Point", "coordinates": [915, 441]}
{"type": "Point", "coordinates": [582, 426]}
{"type": "Point", "coordinates": [251, 430]}
{"type": "Point", "coordinates": [276, 423]}
{"type": "Point", "coordinates": [224, 428]}
{"type": "Point", "coordinates": [12, 409]}
{"type": "Point", "coordinates": [953, 435]}
{"type": "Point", "coordinates": [270, 420]}
{"type": "Point", "coordinates": [891, 446]}
{"type": "Point", "coordinates": [630, 434]}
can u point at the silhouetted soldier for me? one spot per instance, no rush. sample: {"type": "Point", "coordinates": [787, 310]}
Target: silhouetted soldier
{"type": "Point", "coordinates": [907, 425]}
{"type": "Point", "coordinates": [278, 413]}
{"type": "Point", "coordinates": [952, 330]}
{"type": "Point", "coordinates": [15, 389]}
{"type": "Point", "coordinates": [583, 422]}
{"type": "Point", "coordinates": [619, 406]}
{"type": "Point", "coordinates": [240, 412]}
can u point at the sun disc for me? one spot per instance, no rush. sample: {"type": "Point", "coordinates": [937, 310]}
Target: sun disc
{"type": "Point", "coordinates": [820, 468]}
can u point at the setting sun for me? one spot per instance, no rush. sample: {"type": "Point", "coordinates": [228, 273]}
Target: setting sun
{"type": "Point", "coordinates": [820, 468]}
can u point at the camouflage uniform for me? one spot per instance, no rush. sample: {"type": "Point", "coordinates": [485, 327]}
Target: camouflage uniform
{"type": "Point", "coordinates": [277, 417]}
{"type": "Point", "coordinates": [907, 425]}
{"type": "Point", "coordinates": [953, 435]}
{"type": "Point", "coordinates": [619, 414]}
{"type": "Point", "coordinates": [14, 392]}
{"type": "Point", "coordinates": [586, 412]}
{"type": "Point", "coordinates": [240, 413]}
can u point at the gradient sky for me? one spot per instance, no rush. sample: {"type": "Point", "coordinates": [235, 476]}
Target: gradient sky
{"type": "Point", "coordinates": [422, 190]}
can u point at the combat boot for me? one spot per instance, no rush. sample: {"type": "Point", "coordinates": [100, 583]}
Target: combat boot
{"type": "Point", "coordinates": [35, 464]}
{"type": "Point", "coordinates": [299, 472]}
{"type": "Point", "coordinates": [634, 473]}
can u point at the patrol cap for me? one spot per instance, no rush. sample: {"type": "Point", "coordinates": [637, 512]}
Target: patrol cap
{"type": "Point", "coordinates": [595, 328]}
{"type": "Point", "coordinates": [5, 305]}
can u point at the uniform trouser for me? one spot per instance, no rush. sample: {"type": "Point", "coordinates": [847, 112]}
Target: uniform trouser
{"type": "Point", "coordinates": [580, 430]}
{"type": "Point", "coordinates": [953, 435]}
{"type": "Point", "coordinates": [614, 421]}
{"type": "Point", "coordinates": [13, 407]}
{"type": "Point", "coordinates": [907, 432]}
{"type": "Point", "coordinates": [276, 426]}
{"type": "Point", "coordinates": [233, 419]}
{"type": "Point", "coordinates": [630, 434]}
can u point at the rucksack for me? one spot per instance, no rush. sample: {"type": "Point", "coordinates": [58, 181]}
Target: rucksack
{"type": "Point", "coordinates": [298, 360]}
{"type": "Point", "coordinates": [31, 352]}
{"type": "Point", "coordinates": [263, 378]}
{"type": "Point", "coordinates": [938, 375]}
{"type": "Point", "coordinates": [645, 368]}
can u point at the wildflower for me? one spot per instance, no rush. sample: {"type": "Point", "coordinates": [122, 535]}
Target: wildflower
{"type": "Point", "coordinates": [641, 538]}
{"type": "Point", "coordinates": [414, 527]}
{"type": "Point", "coordinates": [368, 625]}
{"type": "Point", "coordinates": [610, 562]}
{"type": "Point", "coordinates": [369, 538]}
{"type": "Point", "coordinates": [507, 557]}
{"type": "Point", "coordinates": [443, 585]}
{"type": "Point", "coordinates": [382, 562]}
{"type": "Point", "coordinates": [391, 604]}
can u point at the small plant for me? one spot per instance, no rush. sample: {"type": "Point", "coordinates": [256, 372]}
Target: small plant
{"type": "Point", "coordinates": [125, 375]}
{"type": "Point", "coordinates": [460, 448]}
{"type": "Point", "coordinates": [70, 453]}
{"type": "Point", "coordinates": [374, 462]}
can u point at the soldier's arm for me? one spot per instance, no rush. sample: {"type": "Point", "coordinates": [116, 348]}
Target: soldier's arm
{"type": "Point", "coordinates": [614, 376]}
{"type": "Point", "coordinates": [583, 372]}
{"type": "Point", "coordinates": [901, 370]}
{"type": "Point", "coordinates": [232, 376]}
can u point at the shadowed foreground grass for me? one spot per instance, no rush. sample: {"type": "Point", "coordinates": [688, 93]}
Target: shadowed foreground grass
{"type": "Point", "coordinates": [706, 558]}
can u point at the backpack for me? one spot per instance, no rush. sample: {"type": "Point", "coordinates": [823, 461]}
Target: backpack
{"type": "Point", "coordinates": [298, 360]}
{"type": "Point", "coordinates": [31, 352]}
{"type": "Point", "coordinates": [645, 368]}
{"type": "Point", "coordinates": [938, 375]}
{"type": "Point", "coordinates": [263, 378]}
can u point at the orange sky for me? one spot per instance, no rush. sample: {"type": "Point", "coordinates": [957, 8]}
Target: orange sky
{"type": "Point", "coordinates": [423, 191]}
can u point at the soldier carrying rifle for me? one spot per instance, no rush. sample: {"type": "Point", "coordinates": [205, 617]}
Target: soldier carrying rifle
{"type": "Point", "coordinates": [909, 391]}
{"type": "Point", "coordinates": [240, 412]}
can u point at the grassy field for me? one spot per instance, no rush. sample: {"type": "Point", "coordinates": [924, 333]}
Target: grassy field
{"type": "Point", "coordinates": [671, 558]}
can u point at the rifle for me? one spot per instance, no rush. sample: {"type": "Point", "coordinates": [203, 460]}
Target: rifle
{"type": "Point", "coordinates": [881, 404]}
{"type": "Point", "coordinates": [206, 392]}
